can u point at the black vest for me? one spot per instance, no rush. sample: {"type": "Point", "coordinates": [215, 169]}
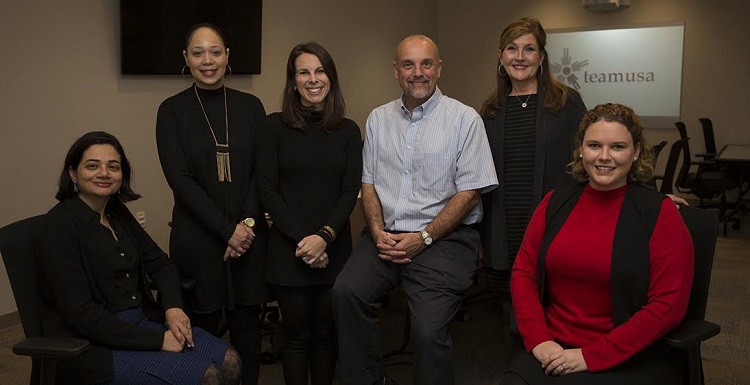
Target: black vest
{"type": "Point", "coordinates": [630, 271]}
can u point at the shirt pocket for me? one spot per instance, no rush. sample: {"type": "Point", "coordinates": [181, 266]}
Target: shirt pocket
{"type": "Point", "coordinates": [437, 172]}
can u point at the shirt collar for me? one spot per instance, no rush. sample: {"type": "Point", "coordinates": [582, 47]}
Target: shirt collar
{"type": "Point", "coordinates": [85, 213]}
{"type": "Point", "coordinates": [426, 107]}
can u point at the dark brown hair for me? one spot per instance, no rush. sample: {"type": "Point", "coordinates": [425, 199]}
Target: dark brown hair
{"type": "Point", "coordinates": [195, 27]}
{"type": "Point", "coordinates": [292, 111]}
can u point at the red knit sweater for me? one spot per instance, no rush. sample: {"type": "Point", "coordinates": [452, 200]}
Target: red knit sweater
{"type": "Point", "coordinates": [579, 308]}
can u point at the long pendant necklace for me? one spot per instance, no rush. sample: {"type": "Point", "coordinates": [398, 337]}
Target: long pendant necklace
{"type": "Point", "coordinates": [524, 104]}
{"type": "Point", "coordinates": [223, 165]}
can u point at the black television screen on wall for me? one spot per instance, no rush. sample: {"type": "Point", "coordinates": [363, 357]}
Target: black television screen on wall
{"type": "Point", "coordinates": [152, 33]}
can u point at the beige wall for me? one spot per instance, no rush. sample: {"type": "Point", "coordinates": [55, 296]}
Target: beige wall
{"type": "Point", "coordinates": [716, 59]}
{"type": "Point", "coordinates": [60, 75]}
{"type": "Point", "coordinates": [60, 78]}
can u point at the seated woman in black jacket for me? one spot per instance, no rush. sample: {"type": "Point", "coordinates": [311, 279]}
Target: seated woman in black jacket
{"type": "Point", "coordinates": [93, 258]}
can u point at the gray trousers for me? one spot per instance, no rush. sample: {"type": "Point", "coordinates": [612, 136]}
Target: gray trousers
{"type": "Point", "coordinates": [433, 282]}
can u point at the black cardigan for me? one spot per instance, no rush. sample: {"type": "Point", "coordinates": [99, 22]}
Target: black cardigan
{"type": "Point", "coordinates": [554, 145]}
{"type": "Point", "coordinates": [77, 284]}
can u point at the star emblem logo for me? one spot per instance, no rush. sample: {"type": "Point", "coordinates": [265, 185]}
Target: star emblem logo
{"type": "Point", "coordinates": [565, 71]}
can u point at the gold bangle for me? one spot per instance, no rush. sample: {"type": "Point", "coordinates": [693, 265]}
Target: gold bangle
{"type": "Point", "coordinates": [330, 231]}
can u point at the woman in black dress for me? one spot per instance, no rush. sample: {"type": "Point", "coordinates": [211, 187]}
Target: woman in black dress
{"type": "Point", "coordinates": [92, 257]}
{"type": "Point", "coordinates": [207, 137]}
{"type": "Point", "coordinates": [309, 171]}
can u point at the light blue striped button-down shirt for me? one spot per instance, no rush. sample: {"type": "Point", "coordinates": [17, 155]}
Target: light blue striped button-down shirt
{"type": "Point", "coordinates": [418, 163]}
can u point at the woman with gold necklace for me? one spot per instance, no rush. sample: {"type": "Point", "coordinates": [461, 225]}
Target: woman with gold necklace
{"type": "Point", "coordinates": [207, 137]}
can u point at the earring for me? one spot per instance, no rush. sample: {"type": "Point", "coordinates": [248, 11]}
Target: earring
{"type": "Point", "coordinates": [227, 78]}
{"type": "Point", "coordinates": [580, 156]}
{"type": "Point", "coordinates": [186, 77]}
{"type": "Point", "coordinates": [635, 159]}
{"type": "Point", "coordinates": [541, 70]}
{"type": "Point", "coordinates": [501, 70]}
{"type": "Point", "coordinates": [75, 187]}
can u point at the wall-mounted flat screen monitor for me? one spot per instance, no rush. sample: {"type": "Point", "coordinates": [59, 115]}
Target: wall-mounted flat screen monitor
{"type": "Point", "coordinates": [152, 33]}
{"type": "Point", "coordinates": [640, 67]}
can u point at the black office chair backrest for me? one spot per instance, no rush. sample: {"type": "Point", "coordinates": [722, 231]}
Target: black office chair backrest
{"type": "Point", "coordinates": [17, 249]}
{"type": "Point", "coordinates": [671, 168]}
{"type": "Point", "coordinates": [656, 149]}
{"type": "Point", "coordinates": [682, 129]}
{"type": "Point", "coordinates": [708, 136]}
{"type": "Point", "coordinates": [682, 181]}
{"type": "Point", "coordinates": [704, 229]}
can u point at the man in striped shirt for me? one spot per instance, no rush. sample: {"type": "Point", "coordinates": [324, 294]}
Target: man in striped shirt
{"type": "Point", "coordinates": [426, 160]}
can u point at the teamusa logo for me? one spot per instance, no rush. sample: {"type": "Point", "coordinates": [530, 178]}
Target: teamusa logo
{"type": "Point", "coordinates": [565, 70]}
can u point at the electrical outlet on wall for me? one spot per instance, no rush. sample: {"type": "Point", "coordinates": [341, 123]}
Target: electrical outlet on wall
{"type": "Point", "coordinates": [141, 217]}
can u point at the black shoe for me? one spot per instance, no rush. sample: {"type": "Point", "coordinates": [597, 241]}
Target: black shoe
{"type": "Point", "coordinates": [389, 381]}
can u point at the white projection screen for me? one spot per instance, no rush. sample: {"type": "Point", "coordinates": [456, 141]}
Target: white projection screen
{"type": "Point", "coordinates": [637, 66]}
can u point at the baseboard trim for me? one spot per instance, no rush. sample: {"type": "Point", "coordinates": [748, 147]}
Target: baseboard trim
{"type": "Point", "coordinates": [10, 319]}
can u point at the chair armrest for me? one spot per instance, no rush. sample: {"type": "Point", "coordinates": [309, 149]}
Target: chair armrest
{"type": "Point", "coordinates": [51, 347]}
{"type": "Point", "coordinates": [703, 162]}
{"type": "Point", "coordinates": [691, 332]}
{"type": "Point", "coordinates": [706, 155]}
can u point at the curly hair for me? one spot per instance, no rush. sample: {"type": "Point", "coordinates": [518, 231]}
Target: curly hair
{"type": "Point", "coordinates": [642, 168]}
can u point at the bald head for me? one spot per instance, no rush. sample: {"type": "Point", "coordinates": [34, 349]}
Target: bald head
{"type": "Point", "coordinates": [418, 40]}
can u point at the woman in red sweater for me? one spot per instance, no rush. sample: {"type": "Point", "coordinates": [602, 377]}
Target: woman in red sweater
{"type": "Point", "coordinates": [604, 269]}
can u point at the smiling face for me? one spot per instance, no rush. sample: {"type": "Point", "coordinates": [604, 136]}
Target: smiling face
{"type": "Point", "coordinates": [417, 69]}
{"type": "Point", "coordinates": [311, 80]}
{"type": "Point", "coordinates": [521, 59]}
{"type": "Point", "coordinates": [207, 58]}
{"type": "Point", "coordinates": [608, 153]}
{"type": "Point", "coordinates": [98, 175]}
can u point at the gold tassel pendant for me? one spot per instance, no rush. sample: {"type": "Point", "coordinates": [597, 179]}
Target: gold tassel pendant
{"type": "Point", "coordinates": [223, 165]}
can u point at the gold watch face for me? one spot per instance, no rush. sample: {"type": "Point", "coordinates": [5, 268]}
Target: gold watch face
{"type": "Point", "coordinates": [249, 222]}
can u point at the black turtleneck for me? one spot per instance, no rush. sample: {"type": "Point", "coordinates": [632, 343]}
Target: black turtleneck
{"type": "Point", "coordinates": [308, 178]}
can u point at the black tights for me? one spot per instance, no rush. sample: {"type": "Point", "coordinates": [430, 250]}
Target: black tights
{"type": "Point", "coordinates": [310, 335]}
{"type": "Point", "coordinates": [244, 335]}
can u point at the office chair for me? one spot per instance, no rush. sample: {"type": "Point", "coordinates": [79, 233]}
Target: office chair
{"type": "Point", "coordinates": [17, 249]}
{"type": "Point", "coordinates": [706, 183]}
{"type": "Point", "coordinates": [655, 151]}
{"type": "Point", "coordinates": [694, 329]}
{"type": "Point", "coordinates": [667, 180]}
{"type": "Point", "coordinates": [682, 129]}
{"type": "Point", "coordinates": [708, 139]}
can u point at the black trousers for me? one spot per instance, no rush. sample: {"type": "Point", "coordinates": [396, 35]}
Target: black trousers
{"type": "Point", "coordinates": [433, 282]}
{"type": "Point", "coordinates": [309, 334]}
{"type": "Point", "coordinates": [244, 335]}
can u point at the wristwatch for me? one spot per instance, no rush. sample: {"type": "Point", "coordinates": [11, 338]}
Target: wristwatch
{"type": "Point", "coordinates": [426, 238]}
{"type": "Point", "coordinates": [249, 222]}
